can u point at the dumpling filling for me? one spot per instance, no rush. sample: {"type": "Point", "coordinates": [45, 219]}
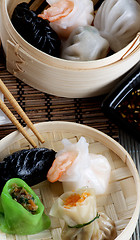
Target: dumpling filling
{"type": "Point", "coordinates": [20, 195]}
{"type": "Point", "coordinates": [75, 199]}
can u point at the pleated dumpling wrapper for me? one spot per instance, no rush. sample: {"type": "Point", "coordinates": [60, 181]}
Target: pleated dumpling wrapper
{"type": "Point", "coordinates": [30, 165]}
{"type": "Point", "coordinates": [84, 44]}
{"type": "Point", "coordinates": [65, 15]}
{"type": "Point", "coordinates": [77, 208]}
{"type": "Point", "coordinates": [34, 30]}
{"type": "Point", "coordinates": [75, 167]}
{"type": "Point", "coordinates": [21, 211]}
{"type": "Point", "coordinates": [118, 21]}
{"type": "Point", "coordinates": [81, 219]}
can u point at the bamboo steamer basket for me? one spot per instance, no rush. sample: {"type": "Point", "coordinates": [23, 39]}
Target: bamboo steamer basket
{"type": "Point", "coordinates": [57, 76]}
{"type": "Point", "coordinates": [121, 202]}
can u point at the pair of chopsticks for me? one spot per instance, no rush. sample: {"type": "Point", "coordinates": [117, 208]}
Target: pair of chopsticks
{"type": "Point", "coordinates": [23, 115]}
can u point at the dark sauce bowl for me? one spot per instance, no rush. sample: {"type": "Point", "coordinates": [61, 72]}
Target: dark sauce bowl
{"type": "Point", "coordinates": [122, 105]}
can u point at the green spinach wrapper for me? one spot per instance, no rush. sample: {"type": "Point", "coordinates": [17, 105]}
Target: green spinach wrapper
{"type": "Point", "coordinates": [17, 216]}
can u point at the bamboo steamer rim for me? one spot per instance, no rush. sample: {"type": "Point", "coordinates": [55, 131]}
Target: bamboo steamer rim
{"type": "Point", "coordinates": [57, 126]}
{"type": "Point", "coordinates": [132, 48]}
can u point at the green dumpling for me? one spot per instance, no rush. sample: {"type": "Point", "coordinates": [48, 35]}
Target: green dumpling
{"type": "Point", "coordinates": [21, 211]}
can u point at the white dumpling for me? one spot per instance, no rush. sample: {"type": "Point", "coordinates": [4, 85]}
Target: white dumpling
{"type": "Point", "coordinates": [85, 44]}
{"type": "Point", "coordinates": [118, 21]}
{"type": "Point", "coordinates": [94, 169]}
{"type": "Point", "coordinates": [64, 21]}
{"type": "Point", "coordinates": [77, 208]}
{"type": "Point", "coordinates": [75, 167]}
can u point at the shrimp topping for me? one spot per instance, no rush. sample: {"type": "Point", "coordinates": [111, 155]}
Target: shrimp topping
{"type": "Point", "coordinates": [58, 10]}
{"type": "Point", "coordinates": [60, 165]}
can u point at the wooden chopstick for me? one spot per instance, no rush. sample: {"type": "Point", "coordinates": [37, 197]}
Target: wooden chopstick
{"type": "Point", "coordinates": [19, 110]}
{"type": "Point", "coordinates": [10, 115]}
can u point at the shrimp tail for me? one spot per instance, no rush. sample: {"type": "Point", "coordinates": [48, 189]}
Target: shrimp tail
{"type": "Point", "coordinates": [60, 165]}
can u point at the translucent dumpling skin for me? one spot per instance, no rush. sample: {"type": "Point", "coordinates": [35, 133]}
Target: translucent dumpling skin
{"type": "Point", "coordinates": [75, 161]}
{"type": "Point", "coordinates": [14, 217]}
{"type": "Point", "coordinates": [64, 19]}
{"type": "Point", "coordinates": [118, 21]}
{"type": "Point", "coordinates": [82, 222]}
{"type": "Point", "coordinates": [31, 165]}
{"type": "Point", "coordinates": [77, 208]}
{"type": "Point", "coordinates": [85, 44]}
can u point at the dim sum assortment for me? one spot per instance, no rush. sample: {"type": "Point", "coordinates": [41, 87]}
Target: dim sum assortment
{"type": "Point", "coordinates": [65, 26]}
{"type": "Point", "coordinates": [69, 30]}
{"type": "Point", "coordinates": [79, 48]}
{"type": "Point", "coordinates": [75, 161]}
{"type": "Point", "coordinates": [82, 221]}
{"type": "Point", "coordinates": [21, 211]}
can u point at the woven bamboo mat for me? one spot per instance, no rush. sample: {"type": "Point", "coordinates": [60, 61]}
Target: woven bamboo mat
{"type": "Point", "coordinates": [42, 107]}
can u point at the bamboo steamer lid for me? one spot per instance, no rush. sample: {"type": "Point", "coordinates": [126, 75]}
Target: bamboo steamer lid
{"type": "Point", "coordinates": [57, 76]}
{"type": "Point", "coordinates": [121, 202]}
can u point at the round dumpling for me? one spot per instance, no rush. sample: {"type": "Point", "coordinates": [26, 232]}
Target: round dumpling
{"type": "Point", "coordinates": [85, 44]}
{"type": "Point", "coordinates": [118, 21]}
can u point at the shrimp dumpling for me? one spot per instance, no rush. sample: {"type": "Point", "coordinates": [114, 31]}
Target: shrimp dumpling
{"type": "Point", "coordinates": [75, 161]}
{"type": "Point", "coordinates": [85, 44]}
{"type": "Point", "coordinates": [65, 15]}
{"type": "Point", "coordinates": [118, 21]}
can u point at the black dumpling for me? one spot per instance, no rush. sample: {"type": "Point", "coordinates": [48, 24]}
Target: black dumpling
{"type": "Point", "coordinates": [31, 165]}
{"type": "Point", "coordinates": [35, 30]}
